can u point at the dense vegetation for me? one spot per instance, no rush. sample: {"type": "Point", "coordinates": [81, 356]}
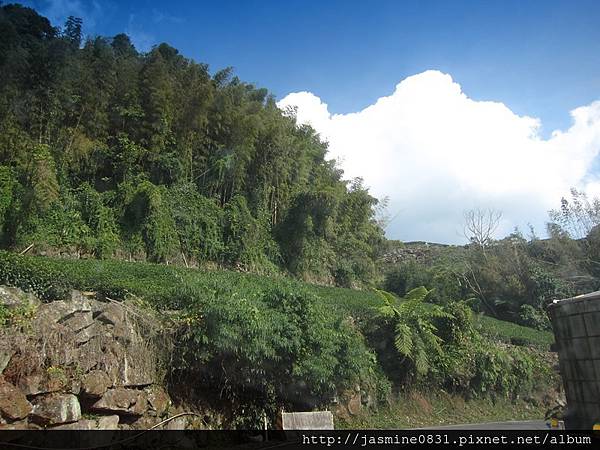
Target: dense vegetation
{"type": "Point", "coordinates": [513, 278]}
{"type": "Point", "coordinates": [108, 152]}
{"type": "Point", "coordinates": [266, 342]}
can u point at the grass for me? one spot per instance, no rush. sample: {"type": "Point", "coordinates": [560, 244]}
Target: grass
{"type": "Point", "coordinates": [158, 284]}
{"type": "Point", "coordinates": [515, 334]}
{"type": "Point", "coordinates": [417, 410]}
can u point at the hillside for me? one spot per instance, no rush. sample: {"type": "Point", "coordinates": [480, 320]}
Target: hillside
{"type": "Point", "coordinates": [268, 342]}
{"type": "Point", "coordinates": [112, 153]}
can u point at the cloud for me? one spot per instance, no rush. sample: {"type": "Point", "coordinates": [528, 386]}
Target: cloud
{"type": "Point", "coordinates": [435, 153]}
{"type": "Point", "coordinates": [160, 16]}
{"type": "Point", "coordinates": [142, 40]}
{"type": "Point", "coordinates": [59, 10]}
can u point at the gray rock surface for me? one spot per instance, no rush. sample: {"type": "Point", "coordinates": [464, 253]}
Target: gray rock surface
{"type": "Point", "coordinates": [54, 409]}
{"type": "Point", "coordinates": [95, 383]}
{"type": "Point", "coordinates": [122, 401]}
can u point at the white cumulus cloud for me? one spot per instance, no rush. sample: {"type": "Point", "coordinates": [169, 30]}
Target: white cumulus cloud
{"type": "Point", "coordinates": [436, 153]}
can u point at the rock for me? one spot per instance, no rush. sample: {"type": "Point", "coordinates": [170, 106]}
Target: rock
{"type": "Point", "coordinates": [158, 400]}
{"type": "Point", "coordinates": [78, 321]}
{"type": "Point", "coordinates": [145, 423]}
{"type": "Point", "coordinates": [101, 423]}
{"type": "Point", "coordinates": [83, 299]}
{"type": "Point", "coordinates": [42, 383]}
{"type": "Point", "coordinates": [56, 409]}
{"type": "Point", "coordinates": [88, 333]}
{"type": "Point", "coordinates": [19, 425]}
{"type": "Point", "coordinates": [354, 404]}
{"type": "Point", "coordinates": [60, 311]}
{"type": "Point", "coordinates": [12, 297]}
{"type": "Point", "coordinates": [95, 383]}
{"type": "Point", "coordinates": [5, 356]}
{"type": "Point", "coordinates": [84, 424]}
{"type": "Point", "coordinates": [176, 424]}
{"type": "Point", "coordinates": [123, 401]}
{"type": "Point", "coordinates": [135, 371]}
{"type": "Point", "coordinates": [13, 403]}
{"type": "Point", "coordinates": [112, 314]}
{"type": "Point", "coordinates": [108, 422]}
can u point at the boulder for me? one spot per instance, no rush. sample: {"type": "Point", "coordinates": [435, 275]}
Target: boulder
{"type": "Point", "coordinates": [135, 372]}
{"type": "Point", "coordinates": [101, 423]}
{"type": "Point", "coordinates": [180, 423]}
{"type": "Point", "coordinates": [19, 425]}
{"type": "Point", "coordinates": [78, 321]}
{"type": "Point", "coordinates": [55, 409]}
{"type": "Point", "coordinates": [112, 314]}
{"type": "Point", "coordinates": [5, 356]}
{"type": "Point", "coordinates": [13, 403]}
{"type": "Point", "coordinates": [42, 383]}
{"type": "Point", "coordinates": [158, 400]}
{"type": "Point", "coordinates": [145, 423]}
{"type": "Point", "coordinates": [95, 329]}
{"type": "Point", "coordinates": [108, 422]}
{"type": "Point", "coordinates": [95, 383]}
{"type": "Point", "coordinates": [12, 297]}
{"type": "Point", "coordinates": [122, 401]}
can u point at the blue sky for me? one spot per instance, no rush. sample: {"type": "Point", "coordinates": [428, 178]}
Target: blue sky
{"type": "Point", "coordinates": [540, 58]}
{"type": "Point", "coordinates": [361, 64]}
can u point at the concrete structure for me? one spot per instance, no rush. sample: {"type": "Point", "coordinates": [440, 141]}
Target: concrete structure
{"type": "Point", "coordinates": [576, 324]}
{"type": "Point", "coordinates": [318, 420]}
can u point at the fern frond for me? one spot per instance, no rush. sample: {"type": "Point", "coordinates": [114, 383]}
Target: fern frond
{"type": "Point", "coordinates": [417, 294]}
{"type": "Point", "coordinates": [403, 339]}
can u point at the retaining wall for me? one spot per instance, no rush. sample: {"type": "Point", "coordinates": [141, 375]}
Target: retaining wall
{"type": "Point", "coordinates": [576, 324]}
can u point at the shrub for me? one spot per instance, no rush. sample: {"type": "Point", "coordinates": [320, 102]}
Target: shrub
{"type": "Point", "coordinates": [32, 275]}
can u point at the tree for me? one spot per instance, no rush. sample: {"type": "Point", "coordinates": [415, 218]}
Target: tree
{"type": "Point", "coordinates": [416, 337]}
{"type": "Point", "coordinates": [480, 226]}
{"type": "Point", "coordinates": [72, 31]}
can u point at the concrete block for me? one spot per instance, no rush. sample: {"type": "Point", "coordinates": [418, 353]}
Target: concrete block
{"type": "Point", "coordinates": [580, 348]}
{"type": "Point", "coordinates": [576, 326]}
{"type": "Point", "coordinates": [572, 392]}
{"type": "Point", "coordinates": [594, 347]}
{"type": "Point", "coordinates": [318, 420]}
{"type": "Point", "coordinates": [583, 370]}
{"type": "Point", "coordinates": [597, 368]}
{"type": "Point", "coordinates": [592, 305]}
{"type": "Point", "coordinates": [592, 323]}
{"type": "Point", "coordinates": [589, 392]}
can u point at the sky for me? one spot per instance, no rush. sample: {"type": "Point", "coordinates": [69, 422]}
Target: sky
{"type": "Point", "coordinates": [441, 106]}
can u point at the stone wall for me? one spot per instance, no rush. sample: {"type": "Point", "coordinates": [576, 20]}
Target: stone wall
{"type": "Point", "coordinates": [576, 324]}
{"type": "Point", "coordinates": [81, 363]}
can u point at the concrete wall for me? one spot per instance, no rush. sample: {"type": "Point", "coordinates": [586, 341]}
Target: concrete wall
{"type": "Point", "coordinates": [576, 324]}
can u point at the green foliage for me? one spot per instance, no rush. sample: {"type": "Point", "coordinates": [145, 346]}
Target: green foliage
{"type": "Point", "coordinates": [198, 221]}
{"type": "Point", "coordinates": [43, 178]}
{"type": "Point", "coordinates": [167, 163]}
{"type": "Point", "coordinates": [8, 184]}
{"type": "Point", "coordinates": [32, 275]}
{"type": "Point", "coordinates": [266, 342]}
{"type": "Point", "coordinates": [275, 346]}
{"type": "Point", "coordinates": [416, 336]}
{"type": "Point", "coordinates": [18, 317]}
{"type": "Point", "coordinates": [247, 239]}
{"type": "Point", "coordinates": [99, 217]}
{"type": "Point", "coordinates": [513, 333]}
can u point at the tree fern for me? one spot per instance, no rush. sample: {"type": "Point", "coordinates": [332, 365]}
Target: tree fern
{"type": "Point", "coordinates": [415, 336]}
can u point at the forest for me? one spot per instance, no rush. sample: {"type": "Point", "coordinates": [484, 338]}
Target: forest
{"type": "Point", "coordinates": [106, 152]}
